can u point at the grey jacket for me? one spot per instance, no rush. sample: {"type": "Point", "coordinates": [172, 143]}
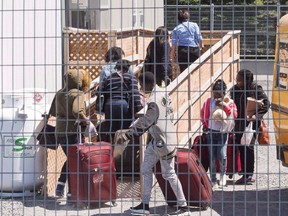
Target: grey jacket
{"type": "Point", "coordinates": [158, 121]}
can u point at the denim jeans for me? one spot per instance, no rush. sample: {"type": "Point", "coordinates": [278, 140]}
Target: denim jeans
{"type": "Point", "coordinates": [217, 148]}
{"type": "Point", "coordinates": [118, 116]}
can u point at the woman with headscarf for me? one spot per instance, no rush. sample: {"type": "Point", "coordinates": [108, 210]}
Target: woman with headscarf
{"type": "Point", "coordinates": [246, 87]}
{"type": "Point", "coordinates": [69, 108]}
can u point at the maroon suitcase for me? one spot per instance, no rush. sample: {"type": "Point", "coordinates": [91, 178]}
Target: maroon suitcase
{"type": "Point", "coordinates": [201, 149]}
{"type": "Point", "coordinates": [92, 173]}
{"type": "Point", "coordinates": [193, 177]}
{"type": "Point", "coordinates": [233, 155]}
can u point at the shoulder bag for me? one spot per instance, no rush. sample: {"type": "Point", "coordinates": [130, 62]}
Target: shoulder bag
{"type": "Point", "coordinates": [46, 136]}
{"type": "Point", "coordinates": [99, 103]}
{"type": "Point", "coordinates": [263, 135]}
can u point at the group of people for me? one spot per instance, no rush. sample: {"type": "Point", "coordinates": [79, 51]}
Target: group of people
{"type": "Point", "coordinates": [123, 100]}
{"type": "Point", "coordinates": [218, 129]}
{"type": "Point", "coordinates": [185, 48]}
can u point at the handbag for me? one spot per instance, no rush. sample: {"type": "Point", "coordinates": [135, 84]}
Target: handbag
{"type": "Point", "coordinates": [120, 143]}
{"type": "Point", "coordinates": [46, 137]}
{"type": "Point", "coordinates": [263, 135]}
{"type": "Point", "coordinates": [247, 135]}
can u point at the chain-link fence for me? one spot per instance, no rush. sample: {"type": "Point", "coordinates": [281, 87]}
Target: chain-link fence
{"type": "Point", "coordinates": [55, 60]}
{"type": "Point", "coordinates": [256, 22]}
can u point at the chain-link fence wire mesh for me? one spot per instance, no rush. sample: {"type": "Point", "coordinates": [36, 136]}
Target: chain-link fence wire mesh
{"type": "Point", "coordinates": [32, 188]}
{"type": "Point", "coordinates": [256, 22]}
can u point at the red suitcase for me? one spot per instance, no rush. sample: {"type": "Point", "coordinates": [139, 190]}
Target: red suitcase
{"type": "Point", "coordinates": [92, 173]}
{"type": "Point", "coordinates": [193, 177]}
{"type": "Point", "coordinates": [201, 149]}
{"type": "Point", "coordinates": [233, 155]}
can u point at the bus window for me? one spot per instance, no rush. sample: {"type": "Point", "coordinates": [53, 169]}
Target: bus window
{"type": "Point", "coordinates": [282, 68]}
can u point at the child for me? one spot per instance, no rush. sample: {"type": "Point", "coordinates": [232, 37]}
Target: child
{"type": "Point", "coordinates": [157, 120]}
{"type": "Point", "coordinates": [216, 116]}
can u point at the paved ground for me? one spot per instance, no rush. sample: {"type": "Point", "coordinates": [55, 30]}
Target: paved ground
{"type": "Point", "coordinates": [268, 196]}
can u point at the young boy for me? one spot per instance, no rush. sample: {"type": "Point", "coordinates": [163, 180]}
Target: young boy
{"type": "Point", "coordinates": [216, 114]}
{"type": "Point", "coordinates": [158, 121]}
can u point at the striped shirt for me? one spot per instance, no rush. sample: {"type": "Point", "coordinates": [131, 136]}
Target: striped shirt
{"type": "Point", "coordinates": [114, 87]}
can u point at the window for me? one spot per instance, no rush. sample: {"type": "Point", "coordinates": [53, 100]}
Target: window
{"type": "Point", "coordinates": [282, 69]}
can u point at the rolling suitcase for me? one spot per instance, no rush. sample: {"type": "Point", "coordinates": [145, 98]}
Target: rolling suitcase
{"type": "Point", "coordinates": [128, 164]}
{"type": "Point", "coordinates": [193, 177]}
{"type": "Point", "coordinates": [92, 173]}
{"type": "Point", "coordinates": [233, 155]}
{"type": "Point", "coordinates": [201, 149]}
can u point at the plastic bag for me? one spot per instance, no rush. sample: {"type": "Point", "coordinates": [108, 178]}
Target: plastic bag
{"type": "Point", "coordinates": [247, 135]}
{"type": "Point", "coordinates": [90, 130]}
{"type": "Point", "coordinates": [120, 142]}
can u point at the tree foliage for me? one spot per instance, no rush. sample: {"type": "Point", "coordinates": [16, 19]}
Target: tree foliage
{"type": "Point", "coordinates": [257, 24]}
{"type": "Point", "coordinates": [225, 2]}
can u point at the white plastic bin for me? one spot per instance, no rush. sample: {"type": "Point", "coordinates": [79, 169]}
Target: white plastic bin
{"type": "Point", "coordinates": [22, 159]}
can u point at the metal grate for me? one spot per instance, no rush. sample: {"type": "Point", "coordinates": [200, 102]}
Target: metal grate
{"type": "Point", "coordinates": [41, 40]}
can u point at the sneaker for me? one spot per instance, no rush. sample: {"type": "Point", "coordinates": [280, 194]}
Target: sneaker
{"type": "Point", "coordinates": [141, 209]}
{"type": "Point", "coordinates": [183, 207]}
{"type": "Point", "coordinates": [250, 180]}
{"type": "Point", "coordinates": [214, 186]}
{"type": "Point", "coordinates": [60, 189]}
{"type": "Point", "coordinates": [179, 211]}
{"type": "Point", "coordinates": [222, 181]}
{"type": "Point", "coordinates": [241, 181]}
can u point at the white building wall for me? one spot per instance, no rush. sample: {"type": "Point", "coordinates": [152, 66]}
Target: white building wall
{"type": "Point", "coordinates": [148, 14]}
{"type": "Point", "coordinates": [124, 14]}
{"type": "Point", "coordinates": [30, 48]}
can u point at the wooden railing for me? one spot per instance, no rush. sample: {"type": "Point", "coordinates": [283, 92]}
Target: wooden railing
{"type": "Point", "coordinates": [193, 86]}
{"type": "Point", "coordinates": [86, 49]}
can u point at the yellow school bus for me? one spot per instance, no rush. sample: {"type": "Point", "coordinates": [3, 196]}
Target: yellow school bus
{"type": "Point", "coordinates": [279, 104]}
